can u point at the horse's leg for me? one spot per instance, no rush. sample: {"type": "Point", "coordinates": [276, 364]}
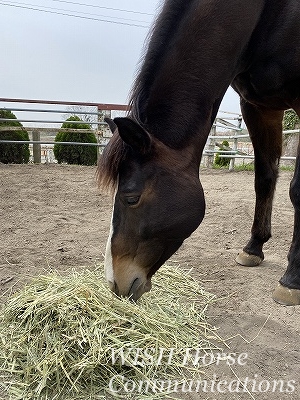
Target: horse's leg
{"type": "Point", "coordinates": [288, 290]}
{"type": "Point", "coordinates": [265, 130]}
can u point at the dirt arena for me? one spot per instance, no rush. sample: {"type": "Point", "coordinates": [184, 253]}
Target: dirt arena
{"type": "Point", "coordinates": [53, 216]}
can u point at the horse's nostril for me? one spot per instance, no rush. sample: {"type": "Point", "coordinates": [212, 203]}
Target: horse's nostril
{"type": "Point", "coordinates": [134, 286]}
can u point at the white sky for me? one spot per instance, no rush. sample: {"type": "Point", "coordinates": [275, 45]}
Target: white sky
{"type": "Point", "coordinates": [56, 57]}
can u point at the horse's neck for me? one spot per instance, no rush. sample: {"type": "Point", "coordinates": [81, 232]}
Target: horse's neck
{"type": "Point", "coordinates": [200, 61]}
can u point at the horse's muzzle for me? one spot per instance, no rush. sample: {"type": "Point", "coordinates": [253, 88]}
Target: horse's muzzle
{"type": "Point", "coordinates": [134, 292]}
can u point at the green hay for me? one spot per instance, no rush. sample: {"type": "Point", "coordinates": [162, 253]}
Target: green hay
{"type": "Point", "coordinates": [58, 334]}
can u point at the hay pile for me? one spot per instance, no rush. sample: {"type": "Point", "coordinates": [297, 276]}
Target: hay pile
{"type": "Point", "coordinates": [60, 336]}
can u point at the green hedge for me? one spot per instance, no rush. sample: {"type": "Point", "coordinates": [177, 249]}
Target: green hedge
{"type": "Point", "coordinates": [12, 152]}
{"type": "Point", "coordinates": [290, 120]}
{"type": "Point", "coordinates": [75, 154]}
{"type": "Point", "coordinates": [222, 161]}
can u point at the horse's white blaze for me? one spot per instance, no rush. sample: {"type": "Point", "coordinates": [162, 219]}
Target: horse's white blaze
{"type": "Point", "coordinates": [108, 263]}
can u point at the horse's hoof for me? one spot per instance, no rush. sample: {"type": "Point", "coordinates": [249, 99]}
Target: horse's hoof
{"type": "Point", "coordinates": [248, 260]}
{"type": "Point", "coordinates": [287, 297]}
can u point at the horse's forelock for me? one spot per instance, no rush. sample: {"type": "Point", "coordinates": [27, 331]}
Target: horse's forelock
{"type": "Point", "coordinates": [109, 162]}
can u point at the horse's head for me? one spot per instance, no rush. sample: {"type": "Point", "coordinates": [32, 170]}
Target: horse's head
{"type": "Point", "coordinates": [158, 203]}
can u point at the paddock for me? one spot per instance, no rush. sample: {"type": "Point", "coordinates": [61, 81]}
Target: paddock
{"type": "Point", "coordinates": [54, 217]}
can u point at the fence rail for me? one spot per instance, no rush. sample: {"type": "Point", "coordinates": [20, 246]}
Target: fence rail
{"type": "Point", "coordinates": [231, 122]}
{"type": "Point", "coordinates": [100, 106]}
{"type": "Point", "coordinates": [44, 121]}
{"type": "Point", "coordinates": [50, 130]}
{"type": "Point", "coordinates": [38, 110]}
{"type": "Point", "coordinates": [34, 122]}
{"type": "Point", "coordinates": [51, 143]}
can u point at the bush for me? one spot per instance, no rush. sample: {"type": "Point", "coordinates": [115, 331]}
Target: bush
{"type": "Point", "coordinates": [75, 154]}
{"type": "Point", "coordinates": [221, 161]}
{"type": "Point", "coordinates": [12, 152]}
{"type": "Point", "coordinates": [290, 120]}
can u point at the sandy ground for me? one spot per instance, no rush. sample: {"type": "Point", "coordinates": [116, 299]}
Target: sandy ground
{"type": "Point", "coordinates": [53, 216]}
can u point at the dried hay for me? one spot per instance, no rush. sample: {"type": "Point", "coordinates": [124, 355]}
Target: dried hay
{"type": "Point", "coordinates": [60, 336]}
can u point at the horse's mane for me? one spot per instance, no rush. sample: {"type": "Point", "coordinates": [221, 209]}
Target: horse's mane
{"type": "Point", "coordinates": [162, 34]}
{"type": "Point", "coordinates": [159, 38]}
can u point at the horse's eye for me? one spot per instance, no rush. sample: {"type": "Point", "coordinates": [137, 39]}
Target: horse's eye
{"type": "Point", "coordinates": [132, 200]}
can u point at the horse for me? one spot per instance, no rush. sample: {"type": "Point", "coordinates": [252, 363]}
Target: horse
{"type": "Point", "coordinates": [195, 51]}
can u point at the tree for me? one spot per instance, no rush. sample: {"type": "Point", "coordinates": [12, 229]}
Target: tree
{"type": "Point", "coordinates": [84, 113]}
{"type": "Point", "coordinates": [75, 154]}
{"type": "Point", "coordinates": [12, 152]}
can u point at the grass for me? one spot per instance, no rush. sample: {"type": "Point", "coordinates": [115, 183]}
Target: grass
{"type": "Point", "coordinates": [62, 337]}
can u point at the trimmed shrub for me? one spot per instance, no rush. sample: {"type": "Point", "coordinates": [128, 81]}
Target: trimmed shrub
{"type": "Point", "coordinates": [75, 154]}
{"type": "Point", "coordinates": [221, 161]}
{"type": "Point", "coordinates": [12, 152]}
{"type": "Point", "coordinates": [290, 120]}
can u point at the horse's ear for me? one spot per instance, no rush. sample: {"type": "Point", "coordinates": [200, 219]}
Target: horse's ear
{"type": "Point", "coordinates": [111, 124]}
{"type": "Point", "coordinates": [133, 134]}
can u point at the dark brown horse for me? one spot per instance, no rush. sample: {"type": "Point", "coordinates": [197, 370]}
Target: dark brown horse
{"type": "Point", "coordinates": [196, 50]}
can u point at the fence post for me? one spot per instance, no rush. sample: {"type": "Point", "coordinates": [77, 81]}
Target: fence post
{"type": "Point", "coordinates": [36, 136]}
{"type": "Point", "coordinates": [232, 160]}
{"type": "Point", "coordinates": [209, 159]}
{"type": "Point", "coordinates": [101, 129]}
{"type": "Point", "coordinates": [235, 143]}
